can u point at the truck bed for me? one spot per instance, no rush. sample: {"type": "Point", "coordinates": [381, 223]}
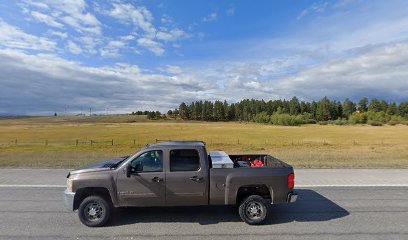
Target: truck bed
{"type": "Point", "coordinates": [267, 160]}
{"type": "Point", "coordinates": [225, 182]}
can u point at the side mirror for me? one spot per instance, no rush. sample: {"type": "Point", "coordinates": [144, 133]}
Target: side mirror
{"type": "Point", "coordinates": [128, 171]}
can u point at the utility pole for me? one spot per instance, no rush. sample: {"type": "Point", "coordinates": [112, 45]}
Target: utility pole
{"type": "Point", "coordinates": [90, 111]}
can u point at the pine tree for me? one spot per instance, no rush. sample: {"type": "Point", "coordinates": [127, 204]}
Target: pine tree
{"type": "Point", "coordinates": [323, 110]}
{"type": "Point", "coordinates": [362, 105]}
{"type": "Point", "coordinates": [294, 106]}
{"type": "Point", "coordinates": [183, 111]}
{"type": "Point", "coordinates": [348, 108]}
{"type": "Point", "coordinates": [392, 109]}
{"type": "Point", "coordinates": [374, 105]}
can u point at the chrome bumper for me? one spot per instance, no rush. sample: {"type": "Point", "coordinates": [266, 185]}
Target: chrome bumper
{"type": "Point", "coordinates": [69, 200]}
{"type": "Point", "coordinates": [292, 197]}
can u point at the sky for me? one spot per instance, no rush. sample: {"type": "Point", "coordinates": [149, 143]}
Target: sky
{"type": "Point", "coordinates": [121, 56]}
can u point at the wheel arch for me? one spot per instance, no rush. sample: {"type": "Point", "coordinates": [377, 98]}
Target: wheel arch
{"type": "Point", "coordinates": [253, 189]}
{"type": "Point", "coordinates": [82, 193]}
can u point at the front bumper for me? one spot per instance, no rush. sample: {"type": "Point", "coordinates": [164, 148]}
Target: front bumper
{"type": "Point", "coordinates": [292, 197]}
{"type": "Point", "coordinates": [69, 200]}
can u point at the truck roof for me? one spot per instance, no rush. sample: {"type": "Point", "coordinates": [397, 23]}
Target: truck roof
{"type": "Point", "coordinates": [178, 144]}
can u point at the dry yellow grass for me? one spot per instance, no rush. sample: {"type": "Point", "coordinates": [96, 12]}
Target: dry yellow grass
{"type": "Point", "coordinates": [51, 142]}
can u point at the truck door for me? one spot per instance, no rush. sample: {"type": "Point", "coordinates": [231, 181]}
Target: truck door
{"type": "Point", "coordinates": [186, 178]}
{"type": "Point", "coordinates": [146, 184]}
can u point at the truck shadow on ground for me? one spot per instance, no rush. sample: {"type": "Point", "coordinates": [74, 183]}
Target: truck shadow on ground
{"type": "Point", "coordinates": [309, 207]}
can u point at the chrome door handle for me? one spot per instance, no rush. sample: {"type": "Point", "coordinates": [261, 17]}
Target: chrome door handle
{"type": "Point", "coordinates": [157, 179]}
{"type": "Point", "coordinates": [196, 178]}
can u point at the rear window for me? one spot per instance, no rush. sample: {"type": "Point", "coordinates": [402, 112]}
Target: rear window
{"type": "Point", "coordinates": [184, 160]}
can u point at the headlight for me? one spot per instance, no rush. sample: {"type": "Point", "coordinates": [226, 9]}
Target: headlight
{"type": "Point", "coordinates": [69, 184]}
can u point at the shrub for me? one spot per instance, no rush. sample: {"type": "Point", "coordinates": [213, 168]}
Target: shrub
{"type": "Point", "coordinates": [307, 118]}
{"type": "Point", "coordinates": [287, 120]}
{"type": "Point", "coordinates": [375, 123]}
{"type": "Point", "coordinates": [340, 121]}
{"type": "Point", "coordinates": [323, 122]}
{"type": "Point", "coordinates": [262, 117]}
{"type": "Point", "coordinates": [312, 121]}
{"type": "Point", "coordinates": [397, 120]}
{"type": "Point", "coordinates": [378, 116]}
{"type": "Point", "coordinates": [358, 118]}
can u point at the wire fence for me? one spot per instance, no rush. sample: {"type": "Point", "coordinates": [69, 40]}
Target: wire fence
{"type": "Point", "coordinates": [209, 142]}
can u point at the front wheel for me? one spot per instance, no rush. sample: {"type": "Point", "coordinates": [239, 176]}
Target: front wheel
{"type": "Point", "coordinates": [94, 211]}
{"type": "Point", "coordinates": [252, 210]}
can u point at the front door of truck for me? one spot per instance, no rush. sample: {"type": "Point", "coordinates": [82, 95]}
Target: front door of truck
{"type": "Point", "coordinates": [186, 178]}
{"type": "Point", "coordinates": [146, 184]}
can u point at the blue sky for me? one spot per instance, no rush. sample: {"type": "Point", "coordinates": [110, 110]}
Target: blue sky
{"type": "Point", "coordinates": [120, 56]}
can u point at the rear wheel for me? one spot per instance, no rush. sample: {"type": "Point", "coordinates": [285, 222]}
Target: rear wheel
{"type": "Point", "coordinates": [252, 210]}
{"type": "Point", "coordinates": [94, 211]}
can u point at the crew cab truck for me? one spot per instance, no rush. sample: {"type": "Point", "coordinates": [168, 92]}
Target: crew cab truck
{"type": "Point", "coordinates": [179, 173]}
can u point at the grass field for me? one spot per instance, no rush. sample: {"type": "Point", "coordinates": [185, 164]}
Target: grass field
{"type": "Point", "coordinates": [66, 141]}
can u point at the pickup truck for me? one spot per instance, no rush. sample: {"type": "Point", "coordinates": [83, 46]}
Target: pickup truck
{"type": "Point", "coordinates": [179, 173]}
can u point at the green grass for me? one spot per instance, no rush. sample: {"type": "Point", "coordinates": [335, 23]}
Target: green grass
{"type": "Point", "coordinates": [51, 142]}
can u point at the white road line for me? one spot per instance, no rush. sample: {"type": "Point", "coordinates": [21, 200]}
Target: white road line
{"type": "Point", "coordinates": [350, 185]}
{"type": "Point", "coordinates": [31, 186]}
{"type": "Point", "coordinates": [296, 186]}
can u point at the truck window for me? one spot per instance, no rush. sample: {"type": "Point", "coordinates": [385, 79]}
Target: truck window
{"type": "Point", "coordinates": [151, 161]}
{"type": "Point", "coordinates": [184, 160]}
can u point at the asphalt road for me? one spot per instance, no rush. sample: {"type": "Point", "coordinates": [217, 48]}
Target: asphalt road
{"type": "Point", "coordinates": [319, 213]}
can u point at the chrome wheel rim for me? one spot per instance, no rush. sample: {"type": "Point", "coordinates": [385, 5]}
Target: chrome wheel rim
{"type": "Point", "coordinates": [94, 211]}
{"type": "Point", "coordinates": [254, 210]}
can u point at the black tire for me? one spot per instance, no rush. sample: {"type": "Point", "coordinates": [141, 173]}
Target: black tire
{"type": "Point", "coordinates": [94, 211]}
{"type": "Point", "coordinates": [253, 210]}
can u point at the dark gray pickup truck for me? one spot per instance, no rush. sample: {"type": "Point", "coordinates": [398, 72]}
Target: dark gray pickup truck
{"type": "Point", "coordinates": [179, 173]}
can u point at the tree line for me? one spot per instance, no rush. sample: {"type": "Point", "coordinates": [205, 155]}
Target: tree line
{"type": "Point", "coordinates": [295, 112]}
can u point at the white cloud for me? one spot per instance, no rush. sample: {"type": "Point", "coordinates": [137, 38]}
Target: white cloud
{"type": "Point", "coordinates": [210, 18]}
{"type": "Point", "coordinates": [172, 35]}
{"type": "Point", "coordinates": [379, 72]}
{"type": "Point", "coordinates": [90, 44]}
{"type": "Point", "coordinates": [153, 46]}
{"type": "Point", "coordinates": [37, 4]}
{"type": "Point", "coordinates": [173, 69]}
{"type": "Point", "coordinates": [74, 48]}
{"type": "Point", "coordinates": [314, 8]}
{"type": "Point", "coordinates": [62, 35]}
{"type": "Point", "coordinates": [50, 21]}
{"type": "Point", "coordinates": [72, 13]}
{"type": "Point", "coordinates": [153, 38]}
{"type": "Point", "coordinates": [230, 11]}
{"type": "Point", "coordinates": [55, 83]}
{"type": "Point", "coordinates": [113, 48]}
{"type": "Point", "coordinates": [166, 19]}
{"type": "Point", "coordinates": [13, 37]}
{"type": "Point", "coordinates": [140, 17]}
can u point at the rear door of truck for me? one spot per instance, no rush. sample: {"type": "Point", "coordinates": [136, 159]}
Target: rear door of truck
{"type": "Point", "coordinates": [186, 177]}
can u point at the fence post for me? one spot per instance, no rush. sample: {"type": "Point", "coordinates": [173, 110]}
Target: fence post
{"type": "Point", "coordinates": [91, 142]}
{"type": "Point", "coordinates": [134, 141]}
{"type": "Point", "coordinates": [238, 141]}
{"type": "Point", "coordinates": [16, 142]}
{"type": "Point", "coordinates": [112, 142]}
{"type": "Point", "coordinates": [76, 143]}
{"type": "Point", "coordinates": [46, 142]}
